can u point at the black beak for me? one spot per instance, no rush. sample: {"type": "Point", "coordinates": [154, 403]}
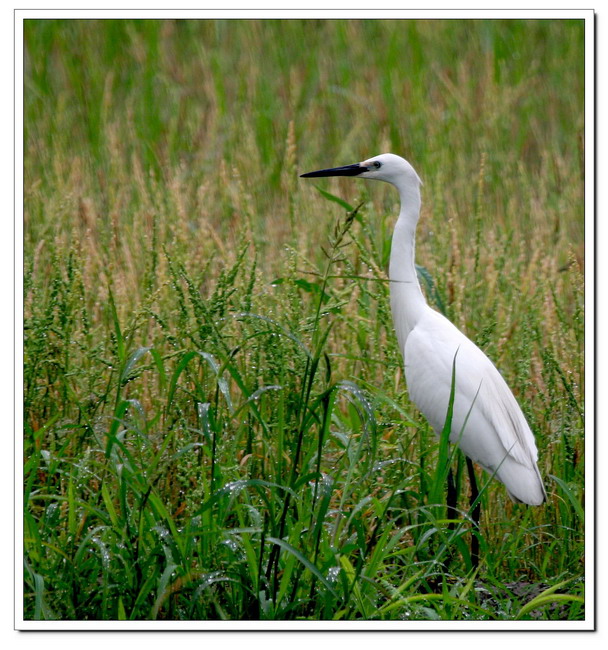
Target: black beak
{"type": "Point", "coordinates": [348, 170]}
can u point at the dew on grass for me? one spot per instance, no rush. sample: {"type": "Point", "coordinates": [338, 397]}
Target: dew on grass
{"type": "Point", "coordinates": [333, 573]}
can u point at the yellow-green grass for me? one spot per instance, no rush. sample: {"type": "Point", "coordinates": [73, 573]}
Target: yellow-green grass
{"type": "Point", "coordinates": [216, 421]}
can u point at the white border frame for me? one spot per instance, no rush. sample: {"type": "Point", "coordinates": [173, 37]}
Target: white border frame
{"type": "Point", "coordinates": [589, 624]}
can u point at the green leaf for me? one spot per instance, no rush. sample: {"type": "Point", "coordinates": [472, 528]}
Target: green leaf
{"type": "Point", "coordinates": [134, 357]}
{"type": "Point", "coordinates": [120, 341]}
{"type": "Point", "coordinates": [578, 508]}
{"type": "Point", "coordinates": [336, 199]}
{"type": "Point", "coordinates": [548, 596]}
{"type": "Point", "coordinates": [443, 462]}
{"type": "Point", "coordinates": [427, 281]}
{"type": "Point", "coordinates": [305, 561]}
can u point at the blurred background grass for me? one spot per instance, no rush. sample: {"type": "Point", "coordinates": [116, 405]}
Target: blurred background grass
{"type": "Point", "coordinates": [162, 195]}
{"type": "Point", "coordinates": [179, 99]}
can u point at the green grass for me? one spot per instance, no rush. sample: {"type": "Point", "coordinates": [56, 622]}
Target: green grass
{"type": "Point", "coordinates": [216, 421]}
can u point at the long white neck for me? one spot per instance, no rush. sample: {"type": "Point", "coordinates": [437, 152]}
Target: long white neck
{"type": "Point", "coordinates": [407, 300]}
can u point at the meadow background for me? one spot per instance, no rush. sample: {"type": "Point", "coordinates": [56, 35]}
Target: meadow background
{"type": "Point", "coordinates": [216, 420]}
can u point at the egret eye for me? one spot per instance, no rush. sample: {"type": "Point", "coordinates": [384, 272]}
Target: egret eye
{"type": "Point", "coordinates": [377, 164]}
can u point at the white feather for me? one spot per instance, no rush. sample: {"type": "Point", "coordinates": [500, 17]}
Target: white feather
{"type": "Point", "coordinates": [487, 422]}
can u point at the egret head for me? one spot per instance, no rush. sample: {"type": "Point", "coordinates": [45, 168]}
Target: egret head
{"type": "Point", "coordinates": [385, 167]}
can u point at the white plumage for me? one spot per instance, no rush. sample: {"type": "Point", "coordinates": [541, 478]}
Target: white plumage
{"type": "Point", "coordinates": [487, 421]}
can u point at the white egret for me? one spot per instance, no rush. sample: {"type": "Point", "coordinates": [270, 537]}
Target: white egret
{"type": "Point", "coordinates": [487, 422]}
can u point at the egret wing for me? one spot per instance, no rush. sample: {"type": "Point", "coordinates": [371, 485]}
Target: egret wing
{"type": "Point", "coordinates": [484, 407]}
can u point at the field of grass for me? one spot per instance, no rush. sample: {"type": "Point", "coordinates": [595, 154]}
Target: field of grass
{"type": "Point", "coordinates": [216, 420]}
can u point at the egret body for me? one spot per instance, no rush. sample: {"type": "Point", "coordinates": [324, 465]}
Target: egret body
{"type": "Point", "coordinates": [487, 423]}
